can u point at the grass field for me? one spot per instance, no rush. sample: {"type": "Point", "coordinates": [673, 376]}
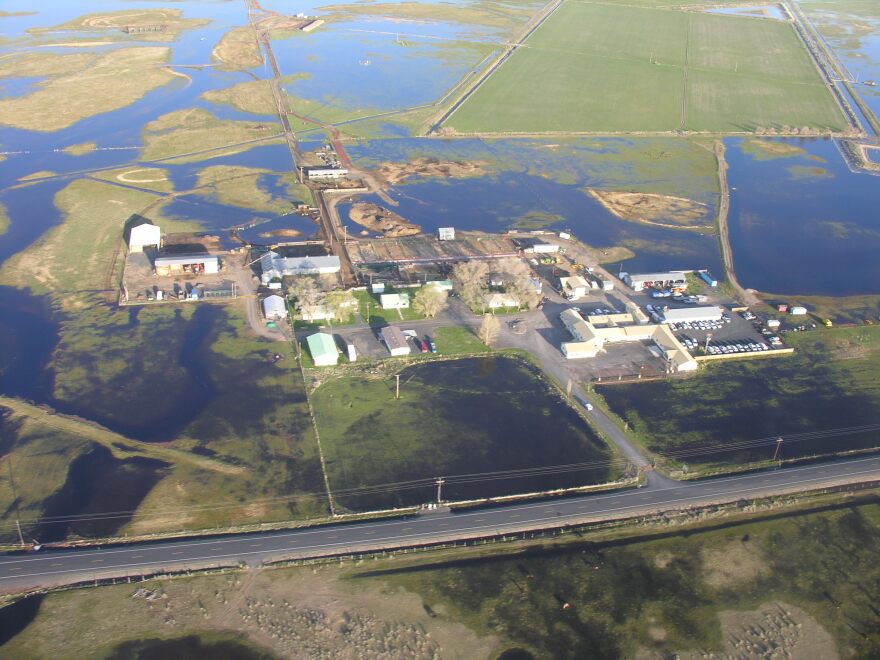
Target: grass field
{"type": "Point", "coordinates": [188, 133]}
{"type": "Point", "coordinates": [116, 79]}
{"type": "Point", "coordinates": [609, 68]}
{"type": "Point", "coordinates": [829, 383]}
{"type": "Point", "coordinates": [453, 417]}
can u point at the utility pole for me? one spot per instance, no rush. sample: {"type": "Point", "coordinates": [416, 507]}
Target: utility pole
{"type": "Point", "coordinates": [440, 483]}
{"type": "Point", "coordinates": [397, 394]}
{"type": "Point", "coordinates": [14, 498]}
{"type": "Point", "coordinates": [778, 451]}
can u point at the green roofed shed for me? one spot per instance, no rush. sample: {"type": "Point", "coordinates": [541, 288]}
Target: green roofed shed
{"type": "Point", "coordinates": [323, 349]}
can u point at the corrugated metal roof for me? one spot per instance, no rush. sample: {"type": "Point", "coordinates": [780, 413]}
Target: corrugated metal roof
{"type": "Point", "coordinates": [171, 260]}
{"type": "Point", "coordinates": [393, 337]}
{"type": "Point", "coordinates": [321, 345]}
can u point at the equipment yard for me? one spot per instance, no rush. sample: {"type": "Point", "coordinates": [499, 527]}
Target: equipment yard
{"type": "Point", "coordinates": [428, 249]}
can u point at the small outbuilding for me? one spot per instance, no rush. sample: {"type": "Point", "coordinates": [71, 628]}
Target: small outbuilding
{"type": "Point", "coordinates": [274, 308]}
{"type": "Point", "coordinates": [394, 300]}
{"type": "Point", "coordinates": [323, 349]}
{"type": "Point", "coordinates": [394, 340]}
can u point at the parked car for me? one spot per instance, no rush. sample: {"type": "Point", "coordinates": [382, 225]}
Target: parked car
{"type": "Point", "coordinates": [422, 345]}
{"type": "Point", "coordinates": [431, 345]}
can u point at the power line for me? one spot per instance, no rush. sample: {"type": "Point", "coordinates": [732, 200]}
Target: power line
{"type": "Point", "coordinates": [461, 479]}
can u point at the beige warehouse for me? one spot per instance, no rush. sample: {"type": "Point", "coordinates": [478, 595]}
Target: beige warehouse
{"type": "Point", "coordinates": [590, 339]}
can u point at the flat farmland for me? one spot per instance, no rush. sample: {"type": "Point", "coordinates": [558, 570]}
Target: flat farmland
{"type": "Point", "coordinates": [613, 68]}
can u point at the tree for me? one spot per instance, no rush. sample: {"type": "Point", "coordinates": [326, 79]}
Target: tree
{"type": "Point", "coordinates": [340, 303]}
{"type": "Point", "coordinates": [472, 280]}
{"type": "Point", "coordinates": [430, 300]}
{"type": "Point", "coordinates": [308, 295]}
{"type": "Point", "coordinates": [489, 329]}
{"type": "Point", "coordinates": [524, 292]}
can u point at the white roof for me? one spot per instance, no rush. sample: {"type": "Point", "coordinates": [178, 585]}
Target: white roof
{"type": "Point", "coordinates": [684, 314]}
{"type": "Point", "coordinates": [655, 277]}
{"type": "Point", "coordinates": [274, 304]}
{"type": "Point", "coordinates": [145, 234]}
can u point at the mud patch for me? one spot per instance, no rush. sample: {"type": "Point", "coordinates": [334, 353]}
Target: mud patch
{"type": "Point", "coordinates": [653, 209]}
{"type": "Point", "coordinates": [380, 220]}
{"type": "Point", "coordinates": [394, 173]}
{"type": "Point", "coordinates": [732, 564]}
{"type": "Point", "coordinates": [773, 630]}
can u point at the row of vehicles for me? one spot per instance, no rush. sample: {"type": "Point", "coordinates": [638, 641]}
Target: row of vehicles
{"type": "Point", "coordinates": [736, 346]}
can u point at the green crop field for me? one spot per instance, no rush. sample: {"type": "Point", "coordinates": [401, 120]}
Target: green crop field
{"type": "Point", "coordinates": [615, 68]}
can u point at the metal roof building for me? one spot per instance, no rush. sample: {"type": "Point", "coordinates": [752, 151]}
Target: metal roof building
{"type": "Point", "coordinates": [145, 235]}
{"type": "Point", "coordinates": [186, 263]}
{"type": "Point", "coordinates": [394, 340]}
{"type": "Point", "coordinates": [274, 307]}
{"type": "Point", "coordinates": [323, 349]}
{"type": "Point", "coordinates": [639, 282]}
{"type": "Point", "coordinates": [274, 265]}
{"type": "Point", "coordinates": [691, 314]}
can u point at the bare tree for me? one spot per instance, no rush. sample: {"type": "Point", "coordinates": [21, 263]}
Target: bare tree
{"type": "Point", "coordinates": [340, 303]}
{"type": "Point", "coordinates": [472, 280]}
{"type": "Point", "coordinates": [430, 300]}
{"type": "Point", "coordinates": [489, 329]}
{"type": "Point", "coordinates": [309, 297]}
{"type": "Point", "coordinates": [524, 292]}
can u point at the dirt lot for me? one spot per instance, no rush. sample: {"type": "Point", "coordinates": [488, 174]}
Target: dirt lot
{"type": "Point", "coordinates": [140, 280]}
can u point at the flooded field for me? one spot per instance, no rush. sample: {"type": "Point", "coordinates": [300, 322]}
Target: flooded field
{"type": "Point", "coordinates": [800, 221]}
{"type": "Point", "coordinates": [529, 185]}
{"type": "Point", "coordinates": [454, 418]}
{"type": "Point", "coordinates": [828, 386]}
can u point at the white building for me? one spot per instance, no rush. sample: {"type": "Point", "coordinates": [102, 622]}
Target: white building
{"type": "Point", "coordinates": [691, 314]}
{"type": "Point", "coordinates": [274, 308]}
{"type": "Point", "coordinates": [657, 280]}
{"type": "Point", "coordinates": [274, 265]}
{"type": "Point", "coordinates": [574, 287]}
{"type": "Point", "coordinates": [323, 349]}
{"type": "Point", "coordinates": [326, 172]}
{"type": "Point", "coordinates": [394, 300]}
{"type": "Point", "coordinates": [144, 236]}
{"type": "Point", "coordinates": [186, 264]}
{"type": "Point", "coordinates": [394, 340]}
{"type": "Point", "coordinates": [499, 300]}
{"type": "Point", "coordinates": [590, 340]}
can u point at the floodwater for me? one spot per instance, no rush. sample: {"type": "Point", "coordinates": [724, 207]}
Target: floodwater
{"type": "Point", "coordinates": [30, 336]}
{"type": "Point", "coordinates": [97, 483]}
{"type": "Point", "coordinates": [750, 11]}
{"type": "Point", "coordinates": [855, 38]}
{"type": "Point", "coordinates": [804, 224]}
{"type": "Point", "coordinates": [188, 648]}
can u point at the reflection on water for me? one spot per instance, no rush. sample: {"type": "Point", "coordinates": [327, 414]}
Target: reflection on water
{"type": "Point", "coordinates": [499, 202]}
{"type": "Point", "coordinates": [97, 483]}
{"type": "Point", "coordinates": [803, 224]}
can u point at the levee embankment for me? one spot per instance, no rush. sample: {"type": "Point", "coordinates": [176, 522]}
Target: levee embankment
{"type": "Point", "coordinates": [748, 297]}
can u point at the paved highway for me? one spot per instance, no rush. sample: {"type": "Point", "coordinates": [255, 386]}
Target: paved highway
{"type": "Point", "coordinates": [52, 567]}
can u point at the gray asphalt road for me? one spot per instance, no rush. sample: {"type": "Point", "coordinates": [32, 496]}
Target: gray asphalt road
{"type": "Point", "coordinates": [51, 567]}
